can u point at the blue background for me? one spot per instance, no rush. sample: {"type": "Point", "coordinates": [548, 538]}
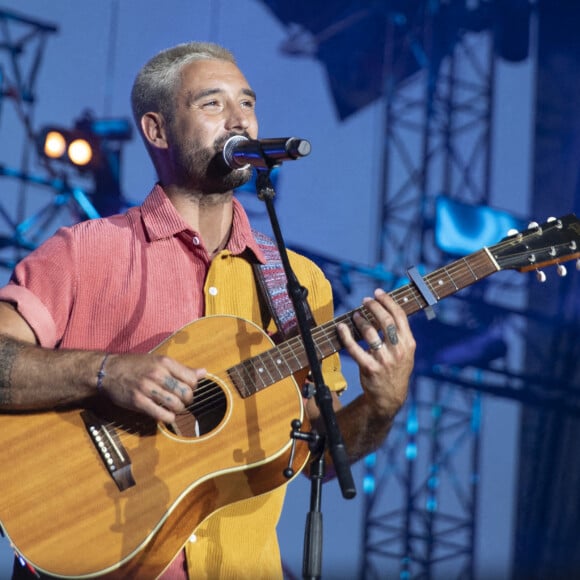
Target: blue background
{"type": "Point", "coordinates": [326, 202]}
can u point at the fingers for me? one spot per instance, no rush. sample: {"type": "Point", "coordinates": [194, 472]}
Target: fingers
{"type": "Point", "coordinates": [170, 387]}
{"type": "Point", "coordinates": [158, 386]}
{"type": "Point", "coordinates": [385, 329]}
{"type": "Point", "coordinates": [387, 362]}
{"type": "Point", "coordinates": [392, 335]}
{"type": "Point", "coordinates": [390, 320]}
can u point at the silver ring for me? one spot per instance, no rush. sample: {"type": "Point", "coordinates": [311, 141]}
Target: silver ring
{"type": "Point", "coordinates": [392, 334]}
{"type": "Point", "coordinates": [378, 344]}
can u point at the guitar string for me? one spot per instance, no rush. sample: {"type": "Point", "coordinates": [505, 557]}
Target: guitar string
{"type": "Point", "coordinates": [208, 391]}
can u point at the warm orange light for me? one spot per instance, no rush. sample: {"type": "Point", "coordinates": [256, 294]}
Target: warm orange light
{"type": "Point", "coordinates": [80, 152]}
{"type": "Point", "coordinates": [54, 145]}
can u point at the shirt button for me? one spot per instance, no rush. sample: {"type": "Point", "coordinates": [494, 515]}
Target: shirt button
{"type": "Point", "coordinates": [213, 290]}
{"type": "Point", "coordinates": [195, 241]}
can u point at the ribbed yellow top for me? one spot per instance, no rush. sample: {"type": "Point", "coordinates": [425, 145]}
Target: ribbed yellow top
{"type": "Point", "coordinates": [240, 540]}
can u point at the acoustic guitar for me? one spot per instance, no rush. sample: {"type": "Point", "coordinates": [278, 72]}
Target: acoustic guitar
{"type": "Point", "coordinates": [99, 491]}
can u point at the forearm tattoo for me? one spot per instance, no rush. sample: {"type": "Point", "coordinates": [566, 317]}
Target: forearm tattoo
{"type": "Point", "coordinates": [9, 350]}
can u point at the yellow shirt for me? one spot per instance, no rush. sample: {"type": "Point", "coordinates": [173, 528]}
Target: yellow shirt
{"type": "Point", "coordinates": [239, 541]}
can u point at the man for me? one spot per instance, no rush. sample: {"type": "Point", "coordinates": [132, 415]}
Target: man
{"type": "Point", "coordinates": [82, 313]}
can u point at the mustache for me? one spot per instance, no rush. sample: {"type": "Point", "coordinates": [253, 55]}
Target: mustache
{"type": "Point", "coordinates": [221, 141]}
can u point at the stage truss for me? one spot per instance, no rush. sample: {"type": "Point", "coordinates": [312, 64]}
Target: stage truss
{"type": "Point", "coordinates": [421, 487]}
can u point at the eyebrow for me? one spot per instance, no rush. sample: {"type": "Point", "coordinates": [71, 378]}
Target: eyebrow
{"type": "Point", "coordinates": [192, 98]}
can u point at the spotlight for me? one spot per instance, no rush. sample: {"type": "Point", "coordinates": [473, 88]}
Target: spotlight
{"type": "Point", "coordinates": [54, 145]}
{"type": "Point", "coordinates": [93, 148]}
{"type": "Point", "coordinates": [86, 145]}
{"type": "Point", "coordinates": [76, 147]}
{"type": "Point", "coordinates": [80, 152]}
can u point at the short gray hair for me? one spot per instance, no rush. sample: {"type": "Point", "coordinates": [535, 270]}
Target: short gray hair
{"type": "Point", "coordinates": [154, 85]}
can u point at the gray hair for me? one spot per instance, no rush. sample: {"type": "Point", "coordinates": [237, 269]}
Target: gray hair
{"type": "Point", "coordinates": [155, 83]}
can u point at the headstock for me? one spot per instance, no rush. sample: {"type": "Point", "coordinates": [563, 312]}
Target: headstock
{"type": "Point", "coordinates": [553, 242]}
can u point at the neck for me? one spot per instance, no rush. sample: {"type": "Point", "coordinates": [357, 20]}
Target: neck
{"type": "Point", "coordinates": [209, 214]}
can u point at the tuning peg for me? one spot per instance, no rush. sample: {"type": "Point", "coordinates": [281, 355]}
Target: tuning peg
{"type": "Point", "coordinates": [561, 269]}
{"type": "Point", "coordinates": [512, 232]}
{"type": "Point", "coordinates": [540, 276]}
{"type": "Point", "coordinates": [578, 264]}
{"type": "Point", "coordinates": [533, 225]}
{"type": "Point", "coordinates": [559, 224]}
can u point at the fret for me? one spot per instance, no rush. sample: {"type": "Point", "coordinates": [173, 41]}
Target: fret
{"type": "Point", "coordinates": [282, 360]}
{"type": "Point", "coordinates": [297, 351]}
{"type": "Point", "coordinates": [418, 298]}
{"type": "Point", "coordinates": [431, 287]}
{"type": "Point", "coordinates": [329, 339]}
{"type": "Point", "coordinates": [405, 301]}
{"type": "Point", "coordinates": [251, 380]}
{"type": "Point", "coordinates": [264, 362]}
{"type": "Point", "coordinates": [412, 300]}
{"type": "Point", "coordinates": [451, 278]}
{"type": "Point", "coordinates": [472, 272]}
{"type": "Point", "coordinates": [274, 362]}
{"type": "Point", "coordinates": [257, 364]}
{"type": "Point", "coordinates": [241, 383]}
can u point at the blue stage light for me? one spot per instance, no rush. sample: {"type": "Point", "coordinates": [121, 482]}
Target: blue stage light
{"type": "Point", "coordinates": [463, 229]}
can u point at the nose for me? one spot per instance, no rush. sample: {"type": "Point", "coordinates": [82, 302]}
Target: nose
{"type": "Point", "coordinates": [238, 118]}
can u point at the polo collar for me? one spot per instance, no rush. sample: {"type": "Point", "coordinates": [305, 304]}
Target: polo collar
{"type": "Point", "coordinates": [161, 221]}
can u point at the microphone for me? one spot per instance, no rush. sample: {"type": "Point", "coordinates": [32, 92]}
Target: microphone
{"type": "Point", "coordinates": [239, 151]}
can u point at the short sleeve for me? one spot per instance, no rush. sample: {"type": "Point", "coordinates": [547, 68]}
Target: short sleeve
{"type": "Point", "coordinates": [42, 288]}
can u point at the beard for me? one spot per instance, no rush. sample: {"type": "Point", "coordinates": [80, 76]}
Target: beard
{"type": "Point", "coordinates": [204, 170]}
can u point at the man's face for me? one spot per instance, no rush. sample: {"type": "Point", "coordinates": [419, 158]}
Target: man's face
{"type": "Point", "coordinates": [213, 101]}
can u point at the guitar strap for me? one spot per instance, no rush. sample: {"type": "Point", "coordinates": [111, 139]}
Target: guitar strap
{"type": "Point", "coordinates": [272, 284]}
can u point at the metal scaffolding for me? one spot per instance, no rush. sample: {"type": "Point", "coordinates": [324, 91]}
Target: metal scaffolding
{"type": "Point", "coordinates": [438, 140]}
{"type": "Point", "coordinates": [33, 202]}
{"type": "Point", "coordinates": [421, 487]}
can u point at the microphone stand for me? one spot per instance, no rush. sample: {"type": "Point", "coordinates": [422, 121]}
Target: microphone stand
{"type": "Point", "coordinates": [332, 437]}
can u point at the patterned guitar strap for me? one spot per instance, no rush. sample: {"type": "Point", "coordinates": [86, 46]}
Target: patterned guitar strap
{"type": "Point", "coordinates": [272, 282]}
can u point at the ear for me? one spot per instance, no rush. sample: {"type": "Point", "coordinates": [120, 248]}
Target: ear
{"type": "Point", "coordinates": [153, 127]}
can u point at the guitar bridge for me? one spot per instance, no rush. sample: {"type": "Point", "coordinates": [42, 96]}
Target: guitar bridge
{"type": "Point", "coordinates": [111, 451]}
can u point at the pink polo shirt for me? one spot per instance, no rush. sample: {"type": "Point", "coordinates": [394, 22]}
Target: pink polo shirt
{"type": "Point", "coordinates": [120, 284]}
{"type": "Point", "coordinates": [125, 283]}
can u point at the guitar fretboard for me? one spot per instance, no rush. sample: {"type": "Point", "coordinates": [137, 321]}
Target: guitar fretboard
{"type": "Point", "coordinates": [271, 366]}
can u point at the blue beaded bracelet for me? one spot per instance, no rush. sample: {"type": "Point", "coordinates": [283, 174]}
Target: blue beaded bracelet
{"type": "Point", "coordinates": [101, 374]}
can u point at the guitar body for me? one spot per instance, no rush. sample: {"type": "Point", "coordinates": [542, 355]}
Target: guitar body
{"type": "Point", "coordinates": [65, 514]}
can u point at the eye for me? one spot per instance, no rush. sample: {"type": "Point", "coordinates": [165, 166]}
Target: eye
{"type": "Point", "coordinates": [248, 104]}
{"type": "Point", "coordinates": [214, 104]}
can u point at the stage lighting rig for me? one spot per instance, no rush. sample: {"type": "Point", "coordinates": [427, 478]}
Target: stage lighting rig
{"type": "Point", "coordinates": [92, 148]}
{"type": "Point", "coordinates": [85, 146]}
{"type": "Point", "coordinates": [70, 146]}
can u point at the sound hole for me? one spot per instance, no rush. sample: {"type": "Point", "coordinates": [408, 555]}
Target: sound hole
{"type": "Point", "coordinates": [204, 414]}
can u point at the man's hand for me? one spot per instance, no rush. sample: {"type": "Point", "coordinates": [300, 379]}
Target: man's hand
{"type": "Point", "coordinates": [386, 366]}
{"type": "Point", "coordinates": [158, 386]}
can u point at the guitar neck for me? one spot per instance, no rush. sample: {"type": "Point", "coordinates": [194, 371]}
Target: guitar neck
{"type": "Point", "coordinates": [267, 368]}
